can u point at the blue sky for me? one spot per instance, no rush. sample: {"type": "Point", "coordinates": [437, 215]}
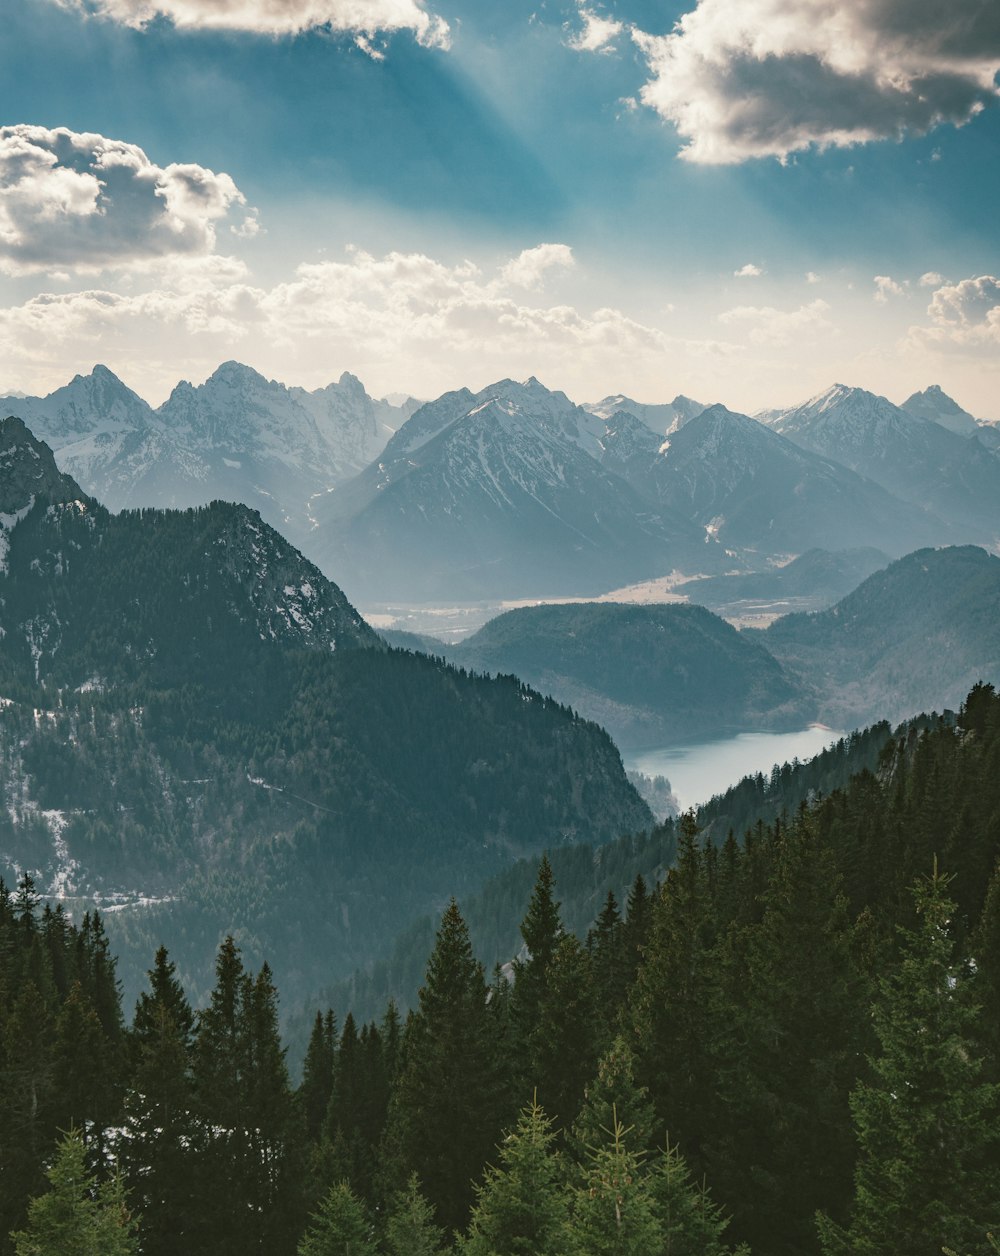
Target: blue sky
{"type": "Point", "coordinates": [744, 206]}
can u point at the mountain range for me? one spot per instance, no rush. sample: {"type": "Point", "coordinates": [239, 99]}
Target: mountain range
{"type": "Point", "coordinates": [907, 450]}
{"type": "Point", "coordinates": [515, 491]}
{"type": "Point", "coordinates": [238, 437]}
{"type": "Point", "coordinates": [500, 493]}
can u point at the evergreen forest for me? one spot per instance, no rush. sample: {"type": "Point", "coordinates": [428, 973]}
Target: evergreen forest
{"type": "Point", "coordinates": [788, 1045]}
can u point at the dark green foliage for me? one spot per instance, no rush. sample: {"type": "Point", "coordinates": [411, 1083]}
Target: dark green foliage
{"type": "Point", "coordinates": [76, 1217]}
{"type": "Point", "coordinates": [612, 1210]}
{"type": "Point", "coordinates": [928, 1169]}
{"type": "Point", "coordinates": [339, 1227]}
{"type": "Point", "coordinates": [446, 1113]}
{"type": "Point", "coordinates": [521, 1208]}
{"type": "Point", "coordinates": [410, 1228]}
{"type": "Point", "coordinates": [650, 674]}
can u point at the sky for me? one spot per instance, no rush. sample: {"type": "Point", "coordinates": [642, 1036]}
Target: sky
{"type": "Point", "coordinates": [739, 200]}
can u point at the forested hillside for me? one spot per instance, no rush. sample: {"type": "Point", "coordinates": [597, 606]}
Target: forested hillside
{"type": "Point", "coordinates": [792, 1044]}
{"type": "Point", "coordinates": [197, 731]}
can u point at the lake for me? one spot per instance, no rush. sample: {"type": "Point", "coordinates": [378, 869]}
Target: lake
{"type": "Point", "coordinates": [696, 772]}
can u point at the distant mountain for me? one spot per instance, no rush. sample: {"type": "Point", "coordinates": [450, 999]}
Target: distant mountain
{"type": "Point", "coordinates": [238, 437]}
{"type": "Point", "coordinates": [662, 419]}
{"type": "Point", "coordinates": [812, 581]}
{"type": "Point", "coordinates": [193, 714]}
{"type": "Point", "coordinates": [913, 457]}
{"type": "Point", "coordinates": [754, 490]}
{"type": "Point", "coordinates": [935, 404]}
{"type": "Point", "coordinates": [913, 637]}
{"type": "Point", "coordinates": [652, 675]}
{"type": "Point", "coordinates": [499, 493]}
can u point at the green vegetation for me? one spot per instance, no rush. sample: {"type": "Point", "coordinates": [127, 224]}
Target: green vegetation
{"type": "Point", "coordinates": [787, 1028]}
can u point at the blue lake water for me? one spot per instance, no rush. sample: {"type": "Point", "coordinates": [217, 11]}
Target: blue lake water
{"type": "Point", "coordinates": [696, 772]}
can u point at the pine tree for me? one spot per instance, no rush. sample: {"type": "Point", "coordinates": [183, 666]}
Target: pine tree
{"type": "Point", "coordinates": [76, 1217]}
{"type": "Point", "coordinates": [613, 1095]}
{"type": "Point", "coordinates": [613, 1213]}
{"type": "Point", "coordinates": [926, 1123]}
{"type": "Point", "coordinates": [520, 1207]}
{"type": "Point", "coordinates": [445, 1112]}
{"type": "Point", "coordinates": [410, 1228]}
{"type": "Point", "coordinates": [157, 1154]}
{"type": "Point", "coordinates": [339, 1227]}
{"type": "Point", "coordinates": [692, 1223]}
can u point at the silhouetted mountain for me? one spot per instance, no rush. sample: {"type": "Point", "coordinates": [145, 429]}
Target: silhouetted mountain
{"type": "Point", "coordinates": [651, 675]}
{"type": "Point", "coordinates": [193, 713]}
{"type": "Point", "coordinates": [913, 637]}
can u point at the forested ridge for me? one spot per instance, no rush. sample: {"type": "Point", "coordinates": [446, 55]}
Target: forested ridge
{"type": "Point", "coordinates": [793, 1042]}
{"type": "Point", "coordinates": [197, 728]}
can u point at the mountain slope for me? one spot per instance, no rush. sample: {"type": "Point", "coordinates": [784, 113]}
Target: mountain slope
{"type": "Point", "coordinates": [917, 459]}
{"type": "Point", "coordinates": [913, 637]}
{"type": "Point", "coordinates": [501, 493]}
{"type": "Point", "coordinates": [192, 713]}
{"type": "Point", "coordinates": [652, 675]}
{"type": "Point", "coordinates": [755, 490]}
{"type": "Point", "coordinates": [812, 581]}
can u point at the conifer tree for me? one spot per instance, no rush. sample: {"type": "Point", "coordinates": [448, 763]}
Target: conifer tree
{"type": "Point", "coordinates": [692, 1224]}
{"type": "Point", "coordinates": [76, 1217]}
{"type": "Point", "coordinates": [157, 1154]}
{"type": "Point", "coordinates": [613, 1213]}
{"type": "Point", "coordinates": [445, 1111]}
{"type": "Point", "coordinates": [927, 1123]}
{"type": "Point", "coordinates": [673, 997]}
{"type": "Point", "coordinates": [410, 1228]}
{"type": "Point", "coordinates": [520, 1205]}
{"type": "Point", "coordinates": [613, 1095]}
{"type": "Point", "coordinates": [339, 1227]}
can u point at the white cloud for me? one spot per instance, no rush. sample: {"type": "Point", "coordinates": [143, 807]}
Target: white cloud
{"type": "Point", "coordinates": [749, 271]}
{"type": "Point", "coordinates": [598, 33]}
{"type": "Point", "coordinates": [812, 277]}
{"type": "Point", "coordinates": [82, 201]}
{"type": "Point", "coordinates": [931, 279]}
{"type": "Point", "coordinates": [964, 315]}
{"type": "Point", "coordinates": [364, 18]}
{"type": "Point", "coordinates": [770, 326]}
{"type": "Point", "coordinates": [425, 317]}
{"type": "Point", "coordinates": [886, 287]}
{"type": "Point", "coordinates": [765, 78]}
{"type": "Point", "coordinates": [528, 269]}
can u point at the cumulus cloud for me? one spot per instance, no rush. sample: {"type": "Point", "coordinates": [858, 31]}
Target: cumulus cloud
{"type": "Point", "coordinates": [749, 271]}
{"type": "Point", "coordinates": [528, 269]}
{"type": "Point", "coordinates": [812, 277]}
{"type": "Point", "coordinates": [82, 201]}
{"type": "Point", "coordinates": [362, 18]}
{"type": "Point", "coordinates": [886, 287]}
{"type": "Point", "coordinates": [964, 315]}
{"type": "Point", "coordinates": [399, 308]}
{"type": "Point", "coordinates": [931, 279]}
{"type": "Point", "coordinates": [597, 34]}
{"type": "Point", "coordinates": [770, 326]}
{"type": "Point", "coordinates": [766, 78]}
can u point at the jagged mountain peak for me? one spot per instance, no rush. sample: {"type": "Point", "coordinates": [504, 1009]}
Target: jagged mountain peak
{"type": "Point", "coordinates": [935, 404]}
{"type": "Point", "coordinates": [28, 471]}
